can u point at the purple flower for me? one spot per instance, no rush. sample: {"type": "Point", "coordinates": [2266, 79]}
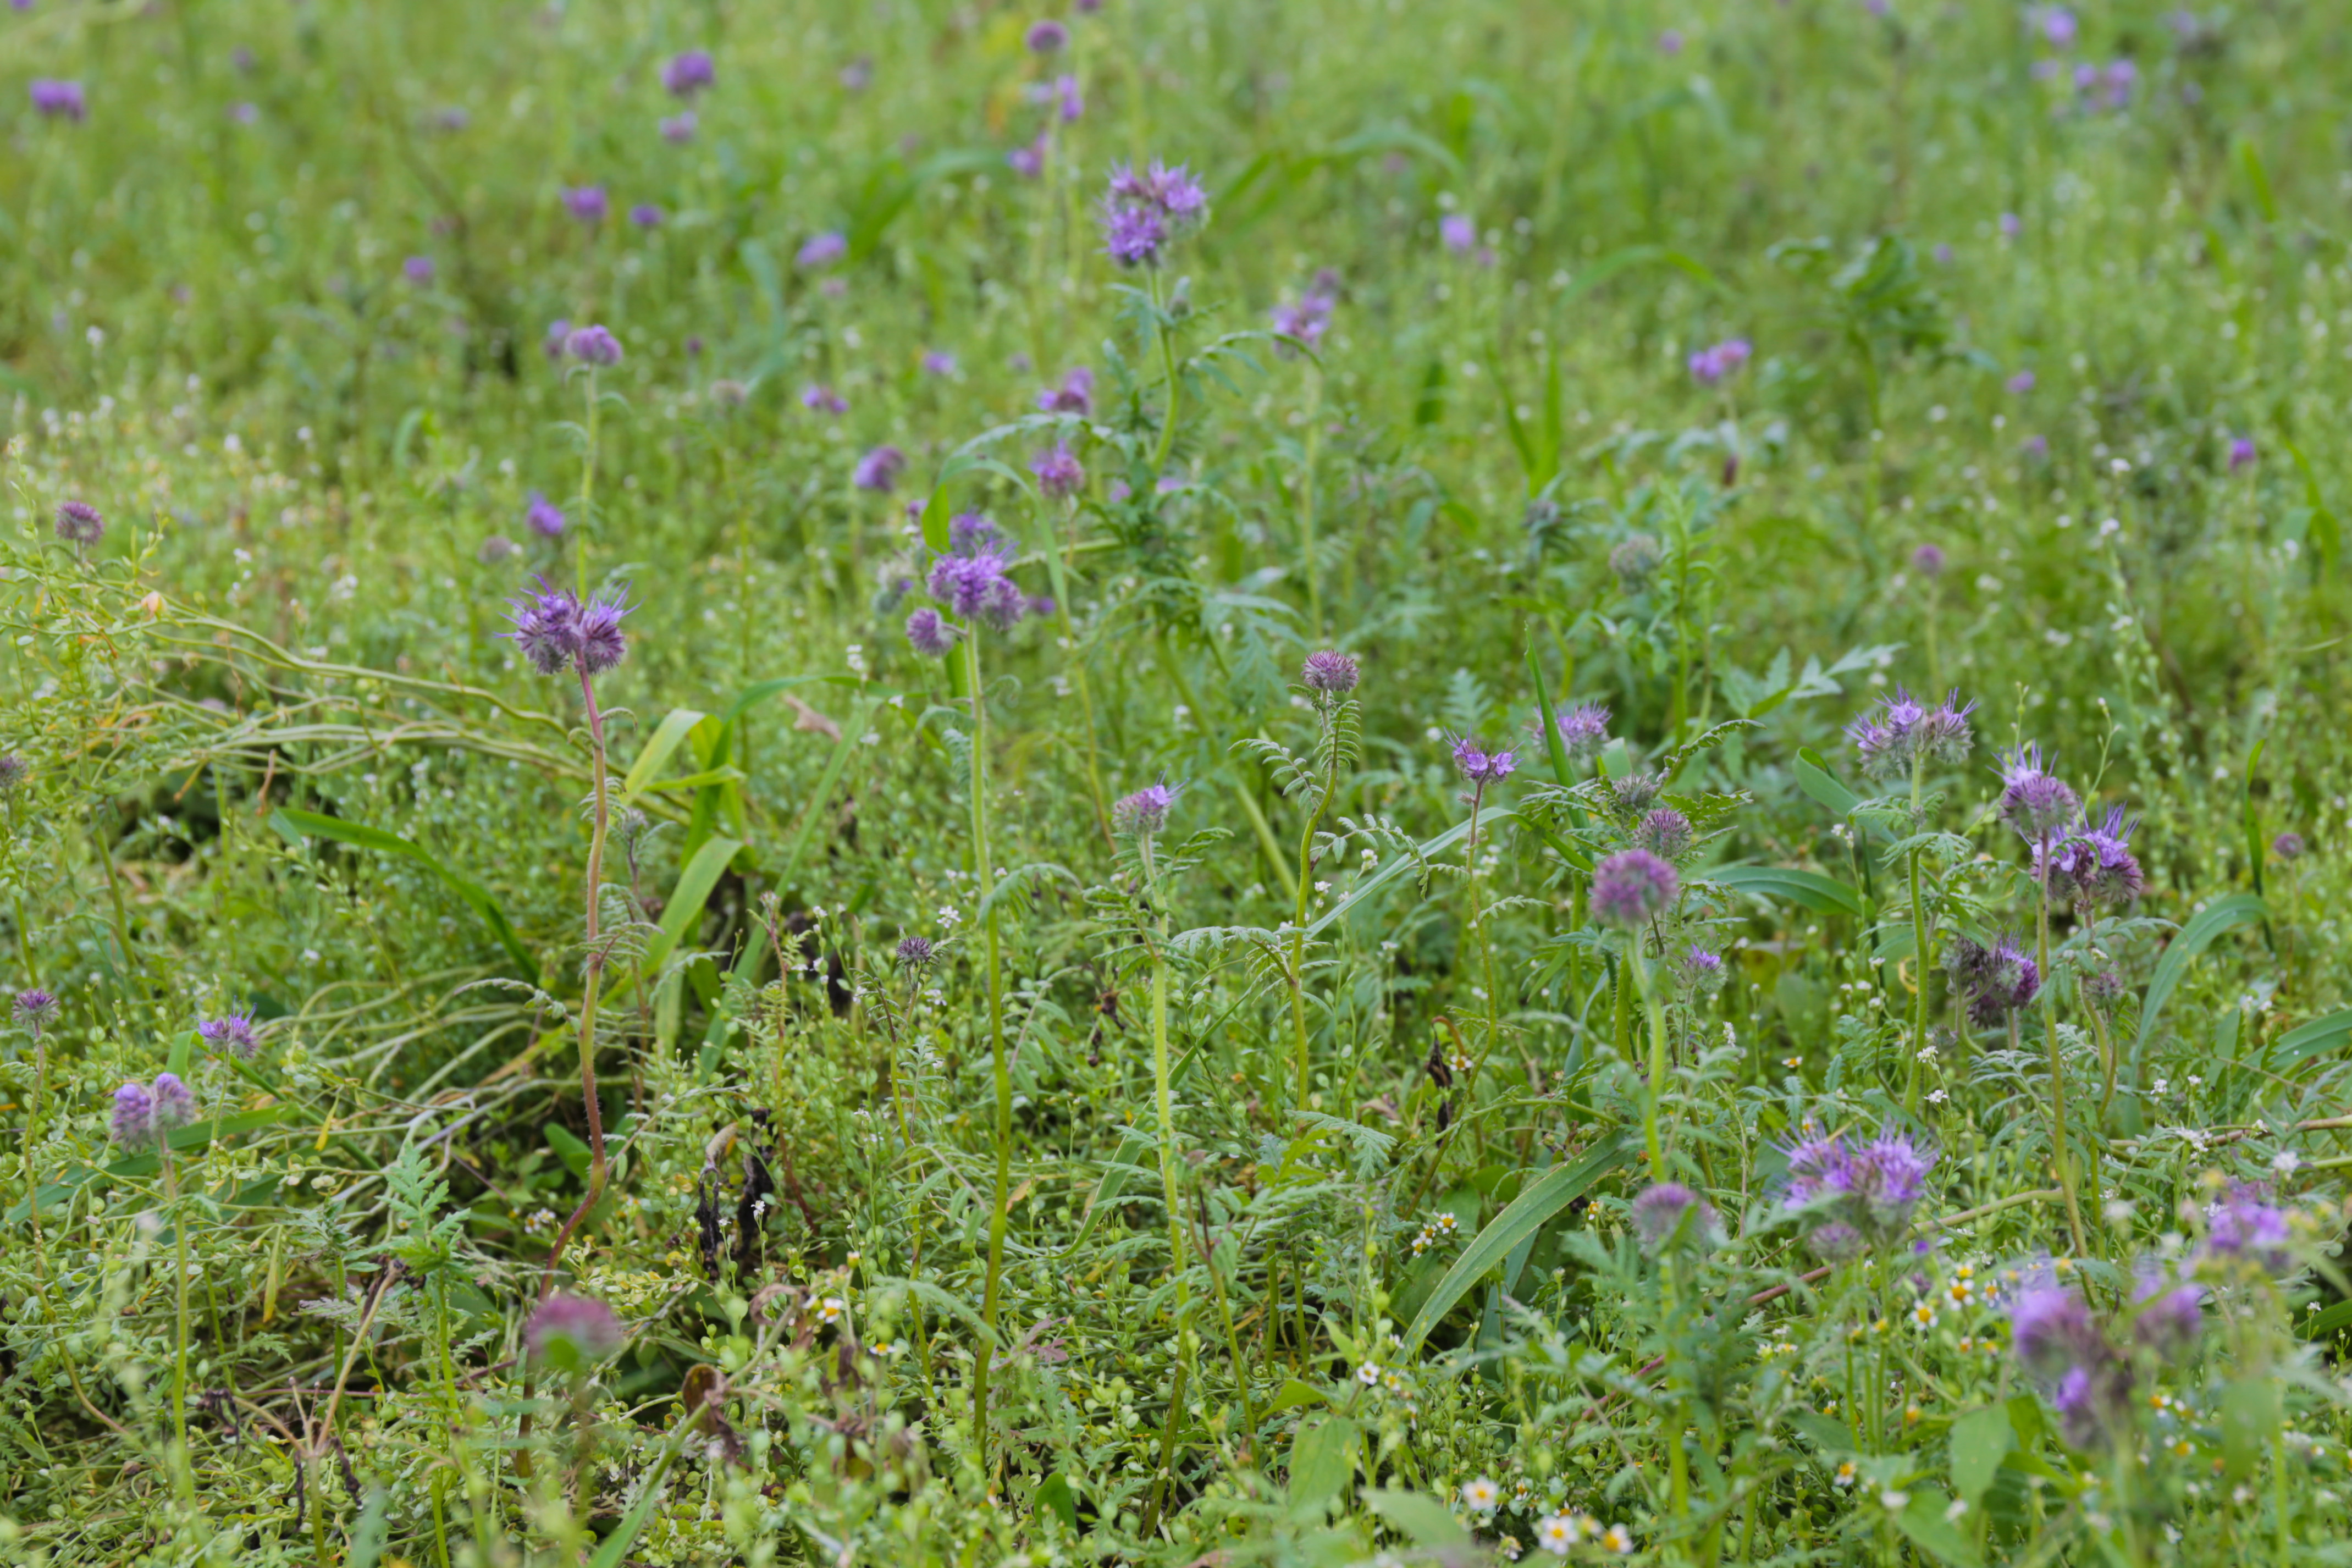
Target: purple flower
{"type": "Point", "coordinates": [1905, 733]}
{"type": "Point", "coordinates": [822, 251]}
{"type": "Point", "coordinates": [2058, 27]}
{"type": "Point", "coordinates": [559, 334]}
{"type": "Point", "coordinates": [1928, 561]}
{"type": "Point", "coordinates": [543, 517]}
{"type": "Point", "coordinates": [2093, 1402]}
{"type": "Point", "coordinates": [34, 1009]}
{"type": "Point", "coordinates": [2035, 447]}
{"type": "Point", "coordinates": [2051, 1328]}
{"type": "Point", "coordinates": [1069, 101]}
{"type": "Point", "coordinates": [1861, 1196]}
{"type": "Point", "coordinates": [917, 952]}
{"type": "Point", "coordinates": [587, 203]}
{"type": "Point", "coordinates": [818, 398]}
{"type": "Point", "coordinates": [1709, 365]}
{"type": "Point", "coordinates": [59, 99]}
{"type": "Point", "coordinates": [593, 345]}
{"type": "Point", "coordinates": [244, 113]}
{"type": "Point", "coordinates": [1584, 730]}
{"type": "Point", "coordinates": [1074, 395]}
{"type": "Point", "coordinates": [1132, 236]}
{"type": "Point", "coordinates": [133, 1122]}
{"type": "Point", "coordinates": [1457, 232]}
{"type": "Point", "coordinates": [645, 214]}
{"type": "Point", "coordinates": [1028, 160]}
{"type": "Point", "coordinates": [2241, 453]}
{"type": "Point", "coordinates": [1630, 887]}
{"type": "Point", "coordinates": [1047, 37]}
{"type": "Point", "coordinates": [1666, 833]}
{"type": "Point", "coordinates": [2246, 1228]}
{"type": "Point", "coordinates": [13, 769]}
{"type": "Point", "coordinates": [1058, 473]}
{"type": "Point", "coordinates": [1328, 673]}
{"type": "Point", "coordinates": [1670, 43]}
{"type": "Point", "coordinates": [557, 632]}
{"type": "Point", "coordinates": [688, 74]}
{"type": "Point", "coordinates": [79, 523]}
{"type": "Point", "coordinates": [232, 1031]}
{"type": "Point", "coordinates": [2170, 1318]}
{"type": "Point", "coordinates": [1996, 980]}
{"type": "Point", "coordinates": [2033, 801]}
{"type": "Point", "coordinates": [1660, 1212]}
{"type": "Point", "coordinates": [858, 74]}
{"type": "Point", "coordinates": [1480, 767]}
{"type": "Point", "coordinates": [418, 269]}
{"type": "Point", "coordinates": [938, 362]}
{"type": "Point", "coordinates": [1886, 1179]}
{"type": "Point", "coordinates": [2011, 225]}
{"type": "Point", "coordinates": [1699, 971]}
{"type": "Point", "coordinates": [679, 128]}
{"type": "Point", "coordinates": [2022, 382]}
{"type": "Point", "coordinates": [451, 119]}
{"type": "Point", "coordinates": [878, 470]}
{"type": "Point", "coordinates": [2115, 84]}
{"type": "Point", "coordinates": [2092, 865]}
{"type": "Point", "coordinates": [1145, 812]}
{"type": "Point", "coordinates": [930, 633]}
{"type": "Point", "coordinates": [175, 1103]}
{"type": "Point", "coordinates": [973, 534]}
{"type": "Point", "coordinates": [573, 1332]}
{"type": "Point", "coordinates": [2288, 846]}
{"type": "Point", "coordinates": [1145, 210]}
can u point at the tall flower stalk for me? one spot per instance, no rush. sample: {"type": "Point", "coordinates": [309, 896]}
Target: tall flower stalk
{"type": "Point", "coordinates": [1630, 890]}
{"type": "Point", "coordinates": [597, 349]}
{"type": "Point", "coordinates": [1328, 676]}
{"type": "Point", "coordinates": [145, 1119]}
{"type": "Point", "coordinates": [1143, 213]}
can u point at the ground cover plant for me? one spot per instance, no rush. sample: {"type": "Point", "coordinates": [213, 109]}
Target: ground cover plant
{"type": "Point", "coordinates": [1342, 782]}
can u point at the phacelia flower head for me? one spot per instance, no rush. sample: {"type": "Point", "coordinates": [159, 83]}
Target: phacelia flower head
{"type": "Point", "coordinates": [556, 632]}
{"type": "Point", "coordinates": [231, 1032]}
{"type": "Point", "coordinates": [2241, 453]}
{"type": "Point", "coordinates": [1928, 561]}
{"type": "Point", "coordinates": [1145, 812]}
{"type": "Point", "coordinates": [543, 516]}
{"type": "Point", "coordinates": [33, 1010]}
{"type": "Point", "coordinates": [2288, 846]}
{"type": "Point", "coordinates": [818, 398]}
{"type": "Point", "coordinates": [54, 100]}
{"type": "Point", "coordinates": [879, 469]}
{"type": "Point", "coordinates": [573, 1333]}
{"type": "Point", "coordinates": [2092, 865]}
{"type": "Point", "coordinates": [689, 73]}
{"type": "Point", "coordinates": [1058, 472]}
{"type": "Point", "coordinates": [930, 633]}
{"type": "Point", "coordinates": [1328, 673]}
{"type": "Point", "coordinates": [417, 270]}
{"type": "Point", "coordinates": [1699, 972]}
{"type": "Point", "coordinates": [976, 585]}
{"type": "Point", "coordinates": [822, 251]}
{"type": "Point", "coordinates": [917, 952]}
{"type": "Point", "coordinates": [1028, 160]}
{"type": "Point", "coordinates": [1145, 210]}
{"type": "Point", "coordinates": [1995, 981]}
{"type": "Point", "coordinates": [1480, 767]}
{"type": "Point", "coordinates": [2171, 1315]}
{"type": "Point", "coordinates": [1709, 365]}
{"type": "Point", "coordinates": [79, 523]}
{"type": "Point", "coordinates": [2034, 801]}
{"type": "Point", "coordinates": [1457, 232]}
{"type": "Point", "coordinates": [589, 203]}
{"type": "Point", "coordinates": [557, 341]}
{"type": "Point", "coordinates": [1665, 1210]}
{"type": "Point", "coordinates": [1132, 236]}
{"type": "Point", "coordinates": [1635, 561]}
{"type": "Point", "coordinates": [2245, 1228]}
{"type": "Point", "coordinates": [646, 215]}
{"type": "Point", "coordinates": [14, 770]}
{"type": "Point", "coordinates": [1856, 1196]}
{"type": "Point", "coordinates": [2058, 26]}
{"type": "Point", "coordinates": [1308, 317]}
{"type": "Point", "coordinates": [593, 345]}
{"type": "Point", "coordinates": [679, 129]}
{"type": "Point", "coordinates": [1074, 395]}
{"type": "Point", "coordinates": [938, 362]}
{"type": "Point", "coordinates": [1584, 731]}
{"type": "Point", "coordinates": [1906, 733]}
{"type": "Point", "coordinates": [1664, 832]}
{"type": "Point", "coordinates": [1630, 888]}
{"type": "Point", "coordinates": [1047, 37]}
{"type": "Point", "coordinates": [2094, 1401]}
{"type": "Point", "coordinates": [175, 1103]}
{"type": "Point", "coordinates": [134, 1121]}
{"type": "Point", "coordinates": [2021, 384]}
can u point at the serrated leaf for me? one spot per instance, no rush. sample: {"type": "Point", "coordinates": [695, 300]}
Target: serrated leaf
{"type": "Point", "coordinates": [1429, 1521]}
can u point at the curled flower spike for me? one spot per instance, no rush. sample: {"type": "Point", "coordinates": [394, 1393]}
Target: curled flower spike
{"type": "Point", "coordinates": [544, 518]}
{"type": "Point", "coordinates": [2245, 1227]}
{"type": "Point", "coordinates": [1147, 209]}
{"type": "Point", "coordinates": [1480, 767]}
{"type": "Point", "coordinates": [2033, 800]}
{"type": "Point", "coordinates": [1699, 972]}
{"type": "Point", "coordinates": [1854, 1197]}
{"type": "Point", "coordinates": [54, 100]}
{"type": "Point", "coordinates": [79, 523]}
{"type": "Point", "coordinates": [34, 1009]}
{"type": "Point", "coordinates": [1996, 980]}
{"type": "Point", "coordinates": [930, 633]}
{"type": "Point", "coordinates": [1047, 37]}
{"type": "Point", "coordinates": [1309, 317]}
{"type": "Point", "coordinates": [917, 952]}
{"type": "Point", "coordinates": [1659, 1215]}
{"type": "Point", "coordinates": [822, 251]}
{"type": "Point", "coordinates": [1635, 561]}
{"type": "Point", "coordinates": [1630, 888]}
{"type": "Point", "coordinates": [2092, 865]}
{"type": "Point", "coordinates": [878, 470]}
{"type": "Point", "coordinates": [1666, 833]}
{"type": "Point", "coordinates": [2288, 847]}
{"type": "Point", "coordinates": [1144, 813]}
{"type": "Point", "coordinates": [231, 1031]}
{"type": "Point", "coordinates": [593, 346]}
{"type": "Point", "coordinates": [1075, 395]}
{"type": "Point", "coordinates": [133, 1122]}
{"type": "Point", "coordinates": [2169, 1316]}
{"type": "Point", "coordinates": [1905, 733]}
{"type": "Point", "coordinates": [1328, 673]}
{"type": "Point", "coordinates": [1584, 731]}
{"type": "Point", "coordinates": [589, 203]}
{"type": "Point", "coordinates": [1710, 366]}
{"type": "Point", "coordinates": [1928, 561]}
{"type": "Point", "coordinates": [556, 632]}
{"type": "Point", "coordinates": [1059, 475]}
{"type": "Point", "coordinates": [175, 1103]}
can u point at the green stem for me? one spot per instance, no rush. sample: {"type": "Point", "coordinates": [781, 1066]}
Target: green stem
{"type": "Point", "coordinates": [593, 984]}
{"type": "Point", "coordinates": [1651, 1137]}
{"type": "Point", "coordinates": [182, 1460]}
{"type": "Point", "coordinates": [1175, 382]}
{"type": "Point", "coordinates": [984, 874]}
{"type": "Point", "coordinates": [1919, 957]}
{"type": "Point", "coordinates": [587, 491]}
{"type": "Point", "coordinates": [1307, 500]}
{"type": "Point", "coordinates": [1164, 1090]}
{"type": "Point", "coordinates": [1298, 931]}
{"type": "Point", "coordinates": [2059, 1153]}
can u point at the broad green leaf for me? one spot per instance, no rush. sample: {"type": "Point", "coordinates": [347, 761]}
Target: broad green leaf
{"type": "Point", "coordinates": [2322, 1324]}
{"type": "Point", "coordinates": [2306, 1040]}
{"type": "Point", "coordinates": [1528, 1214]}
{"type": "Point", "coordinates": [569, 1149]}
{"type": "Point", "coordinates": [1294, 1394]}
{"type": "Point", "coordinates": [1807, 889]}
{"type": "Point", "coordinates": [658, 746]}
{"type": "Point", "coordinates": [2221, 915]}
{"type": "Point", "coordinates": [1322, 1462]}
{"type": "Point", "coordinates": [1922, 1519]}
{"type": "Point", "coordinates": [2250, 1419]}
{"type": "Point", "coordinates": [294, 826]}
{"type": "Point", "coordinates": [1429, 1521]}
{"type": "Point", "coordinates": [1814, 776]}
{"type": "Point", "coordinates": [1827, 1435]}
{"type": "Point", "coordinates": [1053, 1496]}
{"type": "Point", "coordinates": [1979, 1440]}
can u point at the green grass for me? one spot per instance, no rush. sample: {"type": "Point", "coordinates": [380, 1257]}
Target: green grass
{"type": "Point", "coordinates": [1255, 1184]}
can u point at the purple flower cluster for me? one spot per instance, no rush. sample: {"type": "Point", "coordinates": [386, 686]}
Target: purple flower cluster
{"type": "Point", "coordinates": [1047, 37]}
{"type": "Point", "coordinates": [593, 346]}
{"type": "Point", "coordinates": [543, 516]}
{"type": "Point", "coordinates": [819, 398]}
{"type": "Point", "coordinates": [1480, 767]}
{"type": "Point", "coordinates": [878, 470]}
{"type": "Point", "coordinates": [2034, 801]}
{"type": "Point", "coordinates": [1709, 365]}
{"type": "Point", "coordinates": [143, 1116]}
{"type": "Point", "coordinates": [2093, 864]}
{"type": "Point", "coordinates": [54, 100]}
{"type": "Point", "coordinates": [1632, 888]}
{"type": "Point", "coordinates": [917, 952]}
{"type": "Point", "coordinates": [2107, 87]}
{"type": "Point", "coordinates": [1855, 1198]}
{"type": "Point", "coordinates": [1666, 833]}
{"type": "Point", "coordinates": [1328, 674]}
{"type": "Point", "coordinates": [1635, 561]}
{"type": "Point", "coordinates": [822, 251]}
{"type": "Point", "coordinates": [1583, 731]}
{"type": "Point", "coordinates": [1928, 561]}
{"type": "Point", "coordinates": [1458, 232]}
{"type": "Point", "coordinates": [2241, 453]}
{"type": "Point", "coordinates": [1059, 474]}
{"type": "Point", "coordinates": [1147, 210]}
{"type": "Point", "coordinates": [1074, 395]}
{"type": "Point", "coordinates": [2245, 1229]}
{"type": "Point", "coordinates": [1995, 981]}
{"type": "Point", "coordinates": [1144, 813]}
{"type": "Point", "coordinates": [79, 523]}
{"type": "Point", "coordinates": [688, 74]}
{"type": "Point", "coordinates": [589, 203]}
{"type": "Point", "coordinates": [1905, 733]}
{"type": "Point", "coordinates": [973, 580]}
{"type": "Point", "coordinates": [1308, 317]}
{"type": "Point", "coordinates": [2080, 1361]}
{"type": "Point", "coordinates": [232, 1031]}
{"type": "Point", "coordinates": [679, 128]}
{"type": "Point", "coordinates": [1668, 1212]}
{"type": "Point", "coordinates": [1028, 160]}
{"type": "Point", "coordinates": [557, 632]}
{"type": "Point", "coordinates": [34, 1009]}
{"type": "Point", "coordinates": [572, 1333]}
{"type": "Point", "coordinates": [418, 271]}
{"type": "Point", "coordinates": [1699, 972]}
